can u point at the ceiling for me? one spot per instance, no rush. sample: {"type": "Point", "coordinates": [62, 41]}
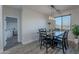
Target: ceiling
{"type": "Point", "coordinates": [45, 9]}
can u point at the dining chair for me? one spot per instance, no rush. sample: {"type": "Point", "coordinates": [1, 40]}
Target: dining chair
{"type": "Point", "coordinates": [48, 42]}
{"type": "Point", "coordinates": [66, 39]}
{"type": "Point", "coordinates": [61, 41]}
{"type": "Point", "coordinates": [42, 35]}
{"type": "Point", "coordinates": [45, 40]}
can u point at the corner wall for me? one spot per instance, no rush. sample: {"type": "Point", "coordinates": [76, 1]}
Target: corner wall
{"type": "Point", "coordinates": [1, 29]}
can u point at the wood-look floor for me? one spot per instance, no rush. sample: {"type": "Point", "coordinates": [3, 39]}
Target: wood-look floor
{"type": "Point", "coordinates": [34, 48]}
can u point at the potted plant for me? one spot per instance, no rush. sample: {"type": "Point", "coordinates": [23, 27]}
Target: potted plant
{"type": "Point", "coordinates": [75, 31]}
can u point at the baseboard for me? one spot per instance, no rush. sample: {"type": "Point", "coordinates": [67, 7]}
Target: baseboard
{"type": "Point", "coordinates": [28, 42]}
{"type": "Point", "coordinates": [1, 50]}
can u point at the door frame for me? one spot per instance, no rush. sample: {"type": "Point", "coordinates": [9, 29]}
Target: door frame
{"type": "Point", "coordinates": [4, 28]}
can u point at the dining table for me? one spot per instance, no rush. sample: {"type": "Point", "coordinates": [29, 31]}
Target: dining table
{"type": "Point", "coordinates": [56, 33]}
{"type": "Point", "coordinates": [48, 35]}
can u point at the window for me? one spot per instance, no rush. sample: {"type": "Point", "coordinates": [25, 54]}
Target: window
{"type": "Point", "coordinates": [63, 22]}
{"type": "Point", "coordinates": [66, 22]}
{"type": "Point", "coordinates": [58, 22]}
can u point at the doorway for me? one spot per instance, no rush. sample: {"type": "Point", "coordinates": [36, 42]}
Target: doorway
{"type": "Point", "coordinates": [11, 32]}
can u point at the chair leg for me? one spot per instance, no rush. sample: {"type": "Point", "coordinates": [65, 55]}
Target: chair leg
{"type": "Point", "coordinates": [65, 45]}
{"type": "Point", "coordinates": [52, 44]}
{"type": "Point", "coordinates": [63, 51]}
{"type": "Point", "coordinates": [46, 49]}
{"type": "Point", "coordinates": [40, 44]}
{"type": "Point", "coordinates": [63, 48]}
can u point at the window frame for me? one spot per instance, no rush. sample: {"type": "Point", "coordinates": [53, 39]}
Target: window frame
{"type": "Point", "coordinates": [62, 20]}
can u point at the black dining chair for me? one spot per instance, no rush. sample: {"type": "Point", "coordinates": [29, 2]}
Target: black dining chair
{"type": "Point", "coordinates": [66, 39]}
{"type": "Point", "coordinates": [48, 42]}
{"type": "Point", "coordinates": [45, 40]}
{"type": "Point", "coordinates": [61, 41]}
{"type": "Point", "coordinates": [42, 35]}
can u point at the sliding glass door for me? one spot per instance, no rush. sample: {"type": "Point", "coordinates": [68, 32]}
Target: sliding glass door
{"type": "Point", "coordinates": [66, 22]}
{"type": "Point", "coordinates": [63, 22]}
{"type": "Point", "coordinates": [58, 23]}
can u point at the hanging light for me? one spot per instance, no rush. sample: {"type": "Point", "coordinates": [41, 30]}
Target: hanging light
{"type": "Point", "coordinates": [51, 17]}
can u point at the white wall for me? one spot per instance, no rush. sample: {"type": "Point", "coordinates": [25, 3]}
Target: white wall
{"type": "Point", "coordinates": [31, 22]}
{"type": "Point", "coordinates": [15, 13]}
{"type": "Point", "coordinates": [29, 25]}
{"type": "Point", "coordinates": [1, 30]}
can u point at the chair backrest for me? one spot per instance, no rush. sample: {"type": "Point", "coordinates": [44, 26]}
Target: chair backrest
{"type": "Point", "coordinates": [65, 35]}
{"type": "Point", "coordinates": [42, 33]}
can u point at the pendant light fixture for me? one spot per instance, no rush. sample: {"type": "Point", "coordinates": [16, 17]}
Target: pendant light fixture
{"type": "Point", "coordinates": [51, 17]}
